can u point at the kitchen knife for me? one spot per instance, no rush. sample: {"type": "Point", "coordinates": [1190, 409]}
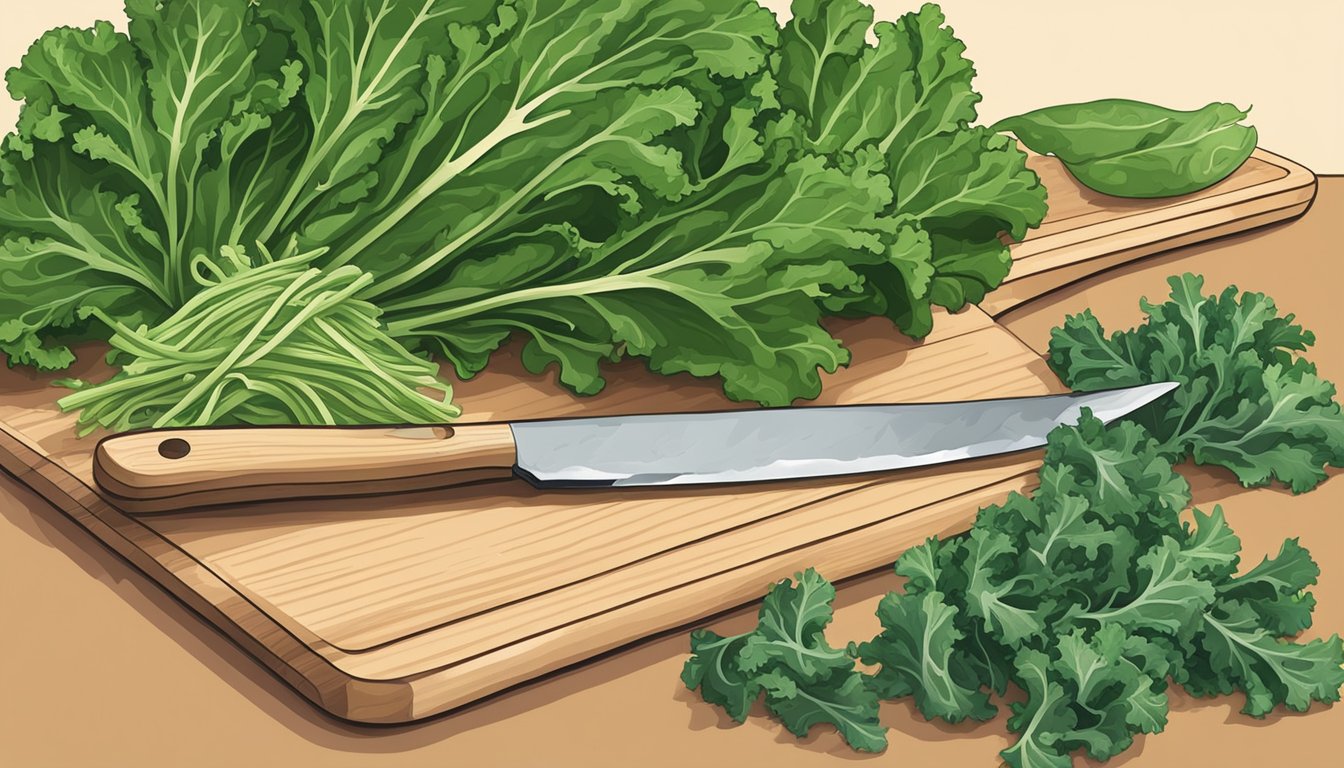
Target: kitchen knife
{"type": "Point", "coordinates": [172, 469]}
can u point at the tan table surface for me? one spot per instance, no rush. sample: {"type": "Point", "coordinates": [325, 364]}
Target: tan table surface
{"type": "Point", "coordinates": [99, 667]}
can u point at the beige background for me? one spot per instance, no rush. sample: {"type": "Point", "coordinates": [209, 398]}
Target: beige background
{"type": "Point", "coordinates": [1285, 58]}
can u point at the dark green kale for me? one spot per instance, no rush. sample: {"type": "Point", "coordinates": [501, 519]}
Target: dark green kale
{"type": "Point", "coordinates": [805, 680]}
{"type": "Point", "coordinates": [1091, 595]}
{"type": "Point", "coordinates": [1247, 401]}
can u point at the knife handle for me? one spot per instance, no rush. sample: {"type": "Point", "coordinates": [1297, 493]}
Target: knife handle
{"type": "Point", "coordinates": [175, 469]}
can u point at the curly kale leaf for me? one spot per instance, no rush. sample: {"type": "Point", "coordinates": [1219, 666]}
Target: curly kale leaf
{"type": "Point", "coordinates": [918, 654]}
{"type": "Point", "coordinates": [909, 99]}
{"type": "Point", "coordinates": [1246, 401]}
{"type": "Point", "coordinates": [1237, 652]}
{"type": "Point", "coordinates": [714, 668]}
{"type": "Point", "coordinates": [806, 682]}
{"type": "Point", "coordinates": [1091, 594]}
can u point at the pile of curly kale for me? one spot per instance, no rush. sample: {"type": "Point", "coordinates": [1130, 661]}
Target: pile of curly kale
{"type": "Point", "coordinates": [1091, 595]}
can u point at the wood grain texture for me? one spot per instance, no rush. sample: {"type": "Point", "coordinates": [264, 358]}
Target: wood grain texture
{"type": "Point", "coordinates": [397, 607]}
{"type": "Point", "coordinates": [165, 470]}
{"type": "Point", "coordinates": [1088, 232]}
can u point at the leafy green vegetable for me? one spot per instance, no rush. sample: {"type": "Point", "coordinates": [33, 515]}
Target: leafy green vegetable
{"type": "Point", "coordinates": [918, 644]}
{"type": "Point", "coordinates": [1243, 655]}
{"type": "Point", "coordinates": [739, 266]}
{"type": "Point", "coordinates": [1132, 149]}
{"type": "Point", "coordinates": [99, 196]}
{"type": "Point", "coordinates": [909, 102]}
{"type": "Point", "coordinates": [1101, 595]}
{"type": "Point", "coordinates": [1091, 596]}
{"type": "Point", "coordinates": [805, 681]}
{"type": "Point", "coordinates": [275, 342]}
{"type": "Point", "coordinates": [714, 668]}
{"type": "Point", "coordinates": [1246, 401]}
{"type": "Point", "coordinates": [605, 179]}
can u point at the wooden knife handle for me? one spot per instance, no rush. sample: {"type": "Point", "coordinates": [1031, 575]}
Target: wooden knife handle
{"type": "Point", "coordinates": [170, 470]}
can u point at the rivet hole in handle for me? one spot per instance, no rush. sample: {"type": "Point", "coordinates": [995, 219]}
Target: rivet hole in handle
{"type": "Point", "coordinates": [174, 448]}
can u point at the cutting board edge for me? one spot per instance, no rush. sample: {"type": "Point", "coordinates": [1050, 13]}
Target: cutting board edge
{"type": "Point", "coordinates": [1283, 199]}
{"type": "Point", "coordinates": [437, 692]}
{"type": "Point", "coordinates": [197, 589]}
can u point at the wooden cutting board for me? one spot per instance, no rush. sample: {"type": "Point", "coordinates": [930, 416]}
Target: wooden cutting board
{"type": "Point", "coordinates": [399, 607]}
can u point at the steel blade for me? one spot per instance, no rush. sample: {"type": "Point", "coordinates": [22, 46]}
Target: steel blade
{"type": "Point", "coordinates": [792, 443]}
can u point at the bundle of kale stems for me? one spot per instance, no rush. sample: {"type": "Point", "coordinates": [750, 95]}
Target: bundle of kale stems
{"type": "Point", "coordinates": [290, 212]}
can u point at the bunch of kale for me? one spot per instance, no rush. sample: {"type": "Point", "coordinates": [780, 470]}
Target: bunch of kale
{"type": "Point", "coordinates": [681, 181]}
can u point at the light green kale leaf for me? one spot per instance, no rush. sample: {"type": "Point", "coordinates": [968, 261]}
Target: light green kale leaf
{"type": "Point", "coordinates": [909, 99]}
{"type": "Point", "coordinates": [98, 181]}
{"type": "Point", "coordinates": [1169, 598]}
{"type": "Point", "coordinates": [605, 179]}
{"type": "Point", "coordinates": [1111, 696]}
{"type": "Point", "coordinates": [1090, 691]}
{"type": "Point", "coordinates": [1065, 522]}
{"type": "Point", "coordinates": [1123, 475]}
{"type": "Point", "coordinates": [791, 630]}
{"type": "Point", "coordinates": [72, 243]}
{"type": "Point", "coordinates": [1210, 546]}
{"type": "Point", "coordinates": [149, 108]}
{"type": "Point", "coordinates": [1276, 589]}
{"type": "Point", "coordinates": [1010, 603]}
{"type": "Point", "coordinates": [627, 190]}
{"type": "Point", "coordinates": [578, 95]}
{"type": "Point", "coordinates": [1041, 720]}
{"type": "Point", "coordinates": [1246, 401]}
{"type": "Point", "coordinates": [724, 285]}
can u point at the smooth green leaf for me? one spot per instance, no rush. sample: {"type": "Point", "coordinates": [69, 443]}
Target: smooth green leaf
{"type": "Point", "coordinates": [1131, 149]}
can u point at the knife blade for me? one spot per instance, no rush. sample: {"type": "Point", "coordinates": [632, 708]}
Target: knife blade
{"type": "Point", "coordinates": [172, 469]}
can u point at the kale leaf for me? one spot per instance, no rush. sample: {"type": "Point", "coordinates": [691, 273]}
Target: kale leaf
{"type": "Point", "coordinates": [806, 682]}
{"type": "Point", "coordinates": [1091, 595]}
{"type": "Point", "coordinates": [599, 179]}
{"type": "Point", "coordinates": [1246, 402]}
{"type": "Point", "coordinates": [909, 99]}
